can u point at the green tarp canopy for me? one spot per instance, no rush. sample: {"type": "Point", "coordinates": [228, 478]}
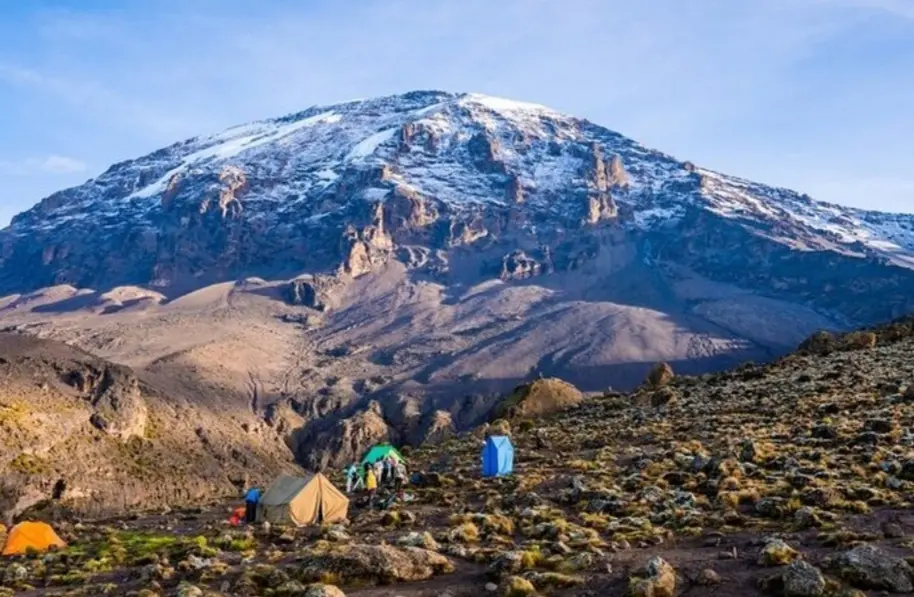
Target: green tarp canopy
{"type": "Point", "coordinates": [380, 452]}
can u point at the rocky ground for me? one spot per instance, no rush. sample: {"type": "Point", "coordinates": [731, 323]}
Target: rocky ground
{"type": "Point", "coordinates": [793, 478]}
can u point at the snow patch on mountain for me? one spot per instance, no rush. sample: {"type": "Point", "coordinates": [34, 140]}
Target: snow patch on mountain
{"type": "Point", "coordinates": [367, 147]}
{"type": "Point", "coordinates": [508, 106]}
{"type": "Point", "coordinates": [230, 144]}
{"type": "Point", "coordinates": [658, 215]}
{"type": "Point", "coordinates": [734, 197]}
{"type": "Point", "coordinates": [461, 150]}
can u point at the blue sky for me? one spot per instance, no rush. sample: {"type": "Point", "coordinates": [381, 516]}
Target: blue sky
{"type": "Point", "coordinates": [816, 95]}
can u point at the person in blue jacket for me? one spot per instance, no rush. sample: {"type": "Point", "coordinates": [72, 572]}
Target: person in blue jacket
{"type": "Point", "coordinates": [251, 498]}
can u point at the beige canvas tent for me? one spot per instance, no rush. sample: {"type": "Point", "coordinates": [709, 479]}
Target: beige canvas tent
{"type": "Point", "coordinates": [302, 501]}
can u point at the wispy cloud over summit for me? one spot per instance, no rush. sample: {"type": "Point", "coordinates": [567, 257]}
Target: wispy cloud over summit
{"type": "Point", "coordinates": [52, 164]}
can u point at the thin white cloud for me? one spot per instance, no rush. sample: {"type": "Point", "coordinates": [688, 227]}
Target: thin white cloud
{"type": "Point", "coordinates": [61, 164]}
{"type": "Point", "coordinates": [51, 164]}
{"type": "Point", "coordinates": [900, 8]}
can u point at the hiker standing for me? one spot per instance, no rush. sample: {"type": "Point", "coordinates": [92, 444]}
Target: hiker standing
{"type": "Point", "coordinates": [359, 478]}
{"type": "Point", "coordinates": [251, 499]}
{"type": "Point", "coordinates": [371, 484]}
{"type": "Point", "coordinates": [379, 471]}
{"type": "Point", "coordinates": [394, 463]}
{"type": "Point", "coordinates": [388, 471]}
{"type": "Point", "coordinates": [399, 478]}
{"type": "Point", "coordinates": [352, 476]}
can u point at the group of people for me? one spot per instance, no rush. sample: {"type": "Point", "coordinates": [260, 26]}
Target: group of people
{"type": "Point", "coordinates": [389, 472]}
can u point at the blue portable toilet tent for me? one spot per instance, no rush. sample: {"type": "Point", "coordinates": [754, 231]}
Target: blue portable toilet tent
{"type": "Point", "coordinates": [497, 456]}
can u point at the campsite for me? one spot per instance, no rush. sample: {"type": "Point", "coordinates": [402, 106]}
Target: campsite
{"type": "Point", "coordinates": [769, 490]}
{"type": "Point", "coordinates": [456, 298]}
{"type": "Point", "coordinates": [292, 513]}
{"type": "Point", "coordinates": [590, 507]}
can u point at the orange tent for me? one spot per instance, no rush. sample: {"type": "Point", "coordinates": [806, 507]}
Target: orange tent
{"type": "Point", "coordinates": [31, 536]}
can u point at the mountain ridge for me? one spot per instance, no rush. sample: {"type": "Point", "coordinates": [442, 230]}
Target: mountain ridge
{"type": "Point", "coordinates": [154, 180]}
{"type": "Point", "coordinates": [394, 264]}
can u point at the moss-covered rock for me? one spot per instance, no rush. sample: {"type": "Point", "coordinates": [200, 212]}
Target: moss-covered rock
{"type": "Point", "coordinates": [516, 586]}
{"type": "Point", "coordinates": [656, 579]}
{"type": "Point", "coordinates": [777, 553]}
{"type": "Point", "coordinates": [537, 399]}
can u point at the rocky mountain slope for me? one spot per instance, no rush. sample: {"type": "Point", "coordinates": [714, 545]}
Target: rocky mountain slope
{"type": "Point", "coordinates": [382, 268]}
{"type": "Point", "coordinates": [92, 436]}
{"type": "Point", "coordinates": [792, 479]}
{"type": "Point", "coordinates": [415, 177]}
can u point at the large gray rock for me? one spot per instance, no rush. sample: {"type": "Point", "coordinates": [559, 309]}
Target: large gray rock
{"type": "Point", "coordinates": [376, 563]}
{"type": "Point", "coordinates": [315, 292]}
{"type": "Point", "coordinates": [802, 579]}
{"type": "Point", "coordinates": [869, 567]}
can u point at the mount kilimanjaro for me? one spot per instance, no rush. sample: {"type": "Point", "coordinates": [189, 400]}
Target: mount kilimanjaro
{"type": "Point", "coordinates": [381, 268]}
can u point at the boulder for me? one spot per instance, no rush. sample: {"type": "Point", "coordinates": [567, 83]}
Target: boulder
{"type": "Point", "coordinates": [188, 590]}
{"type": "Point", "coordinates": [437, 428]}
{"type": "Point", "coordinates": [707, 578]}
{"type": "Point", "coordinates": [661, 375]}
{"type": "Point", "coordinates": [820, 343]}
{"type": "Point", "coordinates": [382, 564]}
{"type": "Point", "coordinates": [824, 432]}
{"type": "Point", "coordinates": [506, 564]}
{"type": "Point", "coordinates": [907, 470]}
{"type": "Point", "coordinates": [803, 580]}
{"type": "Point", "coordinates": [424, 540]}
{"type": "Point", "coordinates": [581, 561]}
{"type": "Point", "coordinates": [538, 398]}
{"type": "Point", "coordinates": [771, 507]}
{"type": "Point", "coordinates": [656, 579]}
{"type": "Point", "coordinates": [291, 588]}
{"type": "Point", "coordinates": [314, 293]}
{"type": "Point", "coordinates": [777, 553]}
{"type": "Point", "coordinates": [748, 451]}
{"type": "Point", "coordinates": [859, 341]}
{"type": "Point", "coordinates": [663, 397]}
{"type": "Point", "coordinates": [517, 586]}
{"type": "Point", "coordinates": [322, 590]}
{"type": "Point", "coordinates": [15, 574]}
{"type": "Point", "coordinates": [881, 426]}
{"type": "Point", "coordinates": [869, 567]}
{"type": "Point", "coordinates": [806, 518]}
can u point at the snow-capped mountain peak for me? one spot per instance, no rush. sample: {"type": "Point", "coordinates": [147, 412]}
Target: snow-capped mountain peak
{"type": "Point", "coordinates": [429, 172]}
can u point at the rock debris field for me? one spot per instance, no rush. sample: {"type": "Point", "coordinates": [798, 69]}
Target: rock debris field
{"type": "Point", "coordinates": [793, 478]}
